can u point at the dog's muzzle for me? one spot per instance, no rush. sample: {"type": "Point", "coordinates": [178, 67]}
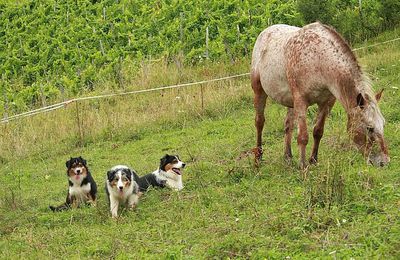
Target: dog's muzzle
{"type": "Point", "coordinates": [177, 171]}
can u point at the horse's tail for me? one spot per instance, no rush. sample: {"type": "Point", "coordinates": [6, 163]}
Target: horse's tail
{"type": "Point", "coordinates": [62, 207]}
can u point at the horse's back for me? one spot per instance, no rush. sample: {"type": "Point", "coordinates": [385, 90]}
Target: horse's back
{"type": "Point", "coordinates": [271, 37]}
{"type": "Point", "coordinates": [312, 60]}
{"type": "Point", "coordinates": [268, 62]}
{"type": "Point", "coordinates": [319, 60]}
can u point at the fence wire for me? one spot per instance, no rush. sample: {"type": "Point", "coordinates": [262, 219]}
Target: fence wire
{"type": "Point", "coordinates": [65, 103]}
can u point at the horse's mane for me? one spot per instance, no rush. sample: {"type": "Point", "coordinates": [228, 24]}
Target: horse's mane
{"type": "Point", "coordinates": [342, 42]}
{"type": "Point", "coordinates": [365, 86]}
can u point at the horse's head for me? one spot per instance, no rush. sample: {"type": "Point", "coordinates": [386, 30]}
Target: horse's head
{"type": "Point", "coordinates": [365, 125]}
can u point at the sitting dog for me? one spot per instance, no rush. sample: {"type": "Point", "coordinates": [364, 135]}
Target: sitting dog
{"type": "Point", "coordinates": [122, 188]}
{"type": "Point", "coordinates": [169, 174]}
{"type": "Point", "coordinates": [81, 186]}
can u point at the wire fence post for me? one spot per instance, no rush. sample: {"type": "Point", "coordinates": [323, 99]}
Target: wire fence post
{"type": "Point", "coordinates": [180, 58]}
{"type": "Point", "coordinates": [102, 48]}
{"type": "Point", "coordinates": [180, 55]}
{"type": "Point", "coordinates": [181, 28]}
{"type": "Point", "coordinates": [361, 17]}
{"type": "Point", "coordinates": [62, 93]}
{"type": "Point", "coordinates": [202, 97]}
{"type": "Point", "coordinates": [78, 121]}
{"type": "Point", "coordinates": [207, 39]}
{"type": "Point", "coordinates": [42, 97]}
{"type": "Point", "coordinates": [145, 69]}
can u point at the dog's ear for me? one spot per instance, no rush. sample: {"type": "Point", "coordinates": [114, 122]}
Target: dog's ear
{"type": "Point", "coordinates": [163, 162]}
{"type": "Point", "coordinates": [110, 175]}
{"type": "Point", "coordinates": [379, 95]}
{"type": "Point", "coordinates": [83, 161]}
{"type": "Point", "coordinates": [68, 163]}
{"type": "Point", "coordinates": [361, 101]}
{"type": "Point", "coordinates": [128, 173]}
{"type": "Point", "coordinates": [135, 176]}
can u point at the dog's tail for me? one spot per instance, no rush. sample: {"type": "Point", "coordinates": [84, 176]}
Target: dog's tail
{"type": "Point", "coordinates": [62, 207]}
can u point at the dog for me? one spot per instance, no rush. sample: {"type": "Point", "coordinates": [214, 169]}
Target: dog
{"type": "Point", "coordinates": [122, 188]}
{"type": "Point", "coordinates": [169, 174]}
{"type": "Point", "coordinates": [81, 186]}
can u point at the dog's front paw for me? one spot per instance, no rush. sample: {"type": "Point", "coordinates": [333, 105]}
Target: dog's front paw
{"type": "Point", "coordinates": [91, 203]}
{"type": "Point", "coordinates": [163, 183]}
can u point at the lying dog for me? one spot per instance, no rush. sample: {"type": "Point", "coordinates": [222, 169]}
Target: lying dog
{"type": "Point", "coordinates": [81, 186]}
{"type": "Point", "coordinates": [122, 188]}
{"type": "Point", "coordinates": [169, 174]}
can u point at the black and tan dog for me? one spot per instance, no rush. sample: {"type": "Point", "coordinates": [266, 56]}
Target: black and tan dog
{"type": "Point", "coordinates": [81, 186]}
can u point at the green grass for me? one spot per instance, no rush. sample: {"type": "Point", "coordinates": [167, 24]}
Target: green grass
{"type": "Point", "coordinates": [228, 209]}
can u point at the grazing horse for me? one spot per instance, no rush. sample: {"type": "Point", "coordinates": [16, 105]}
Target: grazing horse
{"type": "Point", "coordinates": [299, 67]}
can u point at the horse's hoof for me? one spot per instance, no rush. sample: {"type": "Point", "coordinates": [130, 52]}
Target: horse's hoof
{"type": "Point", "coordinates": [258, 151]}
{"type": "Point", "coordinates": [288, 159]}
{"type": "Point", "coordinates": [313, 161]}
{"type": "Point", "coordinates": [303, 166]}
{"type": "Point", "coordinates": [257, 162]}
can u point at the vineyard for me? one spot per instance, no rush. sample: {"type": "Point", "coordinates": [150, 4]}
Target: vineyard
{"type": "Point", "coordinates": [52, 50]}
{"type": "Point", "coordinates": [80, 50]}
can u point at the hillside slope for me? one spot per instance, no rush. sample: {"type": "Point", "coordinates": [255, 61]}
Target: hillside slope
{"type": "Point", "coordinates": [342, 208]}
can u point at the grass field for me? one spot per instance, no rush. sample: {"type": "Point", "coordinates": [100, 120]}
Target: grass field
{"type": "Point", "coordinates": [228, 209]}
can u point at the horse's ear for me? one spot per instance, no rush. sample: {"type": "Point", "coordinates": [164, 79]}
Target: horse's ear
{"type": "Point", "coordinates": [379, 95]}
{"type": "Point", "coordinates": [360, 101]}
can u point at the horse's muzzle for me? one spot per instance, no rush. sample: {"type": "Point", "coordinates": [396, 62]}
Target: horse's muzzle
{"type": "Point", "coordinates": [378, 160]}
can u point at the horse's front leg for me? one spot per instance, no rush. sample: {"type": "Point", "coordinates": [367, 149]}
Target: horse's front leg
{"type": "Point", "coordinates": [323, 111]}
{"type": "Point", "coordinates": [260, 98]}
{"type": "Point", "coordinates": [300, 109]}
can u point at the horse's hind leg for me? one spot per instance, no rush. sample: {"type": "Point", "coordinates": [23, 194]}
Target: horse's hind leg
{"type": "Point", "coordinates": [260, 98]}
{"type": "Point", "coordinates": [323, 111]}
{"type": "Point", "coordinates": [289, 122]}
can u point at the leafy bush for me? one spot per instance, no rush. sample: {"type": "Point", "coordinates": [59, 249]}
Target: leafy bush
{"type": "Point", "coordinates": [355, 22]}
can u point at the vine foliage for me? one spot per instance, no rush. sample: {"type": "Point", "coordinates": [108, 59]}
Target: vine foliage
{"type": "Point", "coordinates": [54, 48]}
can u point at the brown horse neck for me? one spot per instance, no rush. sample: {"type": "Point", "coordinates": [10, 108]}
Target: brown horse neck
{"type": "Point", "coordinates": [347, 93]}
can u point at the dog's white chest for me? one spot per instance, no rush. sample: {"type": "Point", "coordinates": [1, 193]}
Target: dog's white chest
{"type": "Point", "coordinates": [175, 184]}
{"type": "Point", "coordinates": [79, 191]}
{"type": "Point", "coordinates": [171, 180]}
